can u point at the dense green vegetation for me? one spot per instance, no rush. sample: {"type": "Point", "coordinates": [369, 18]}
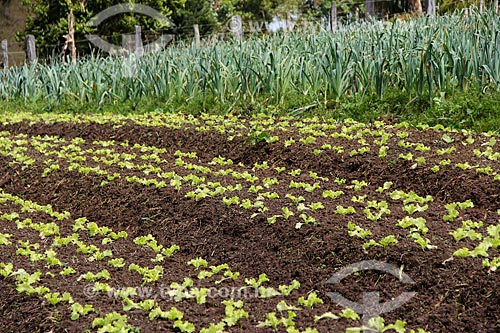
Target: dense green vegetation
{"type": "Point", "coordinates": [48, 20]}
{"type": "Point", "coordinates": [434, 70]}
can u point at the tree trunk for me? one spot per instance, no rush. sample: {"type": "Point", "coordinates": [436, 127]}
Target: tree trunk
{"type": "Point", "coordinates": [71, 36]}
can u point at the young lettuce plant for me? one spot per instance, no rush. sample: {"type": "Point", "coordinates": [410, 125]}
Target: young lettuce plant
{"type": "Point", "coordinates": [200, 294]}
{"type": "Point", "coordinates": [385, 242]}
{"type": "Point", "coordinates": [234, 312]}
{"type": "Point", "coordinates": [415, 224]}
{"type": "Point", "coordinates": [172, 314]}
{"type": "Point", "coordinates": [78, 310]}
{"type": "Point", "coordinates": [180, 291]}
{"type": "Point", "coordinates": [184, 326]}
{"type": "Point", "coordinates": [356, 231]}
{"type": "Point", "coordinates": [4, 239]}
{"type": "Point", "coordinates": [273, 219]}
{"type": "Point", "coordinates": [6, 270]}
{"type": "Point", "coordinates": [467, 231]}
{"type": "Point", "coordinates": [287, 290]}
{"type": "Point", "coordinates": [493, 264]}
{"type": "Point", "coordinates": [381, 207]}
{"type": "Point", "coordinates": [377, 324]}
{"type": "Point", "coordinates": [287, 213]}
{"type": "Point", "coordinates": [424, 243]}
{"type": "Point", "coordinates": [358, 185]}
{"type": "Point", "coordinates": [345, 211]}
{"type": "Point", "coordinates": [332, 194]}
{"type": "Point", "coordinates": [198, 262]}
{"type": "Point", "coordinates": [256, 283]}
{"type": "Point", "coordinates": [91, 277]}
{"type": "Point", "coordinates": [148, 274]}
{"type": "Point", "coordinates": [386, 186]}
{"type": "Point", "coordinates": [114, 322]}
{"type": "Point", "coordinates": [214, 328]}
{"type": "Point", "coordinates": [67, 271]}
{"type": "Point", "coordinates": [273, 322]}
{"type": "Point", "coordinates": [310, 301]}
{"type": "Point", "coordinates": [53, 298]}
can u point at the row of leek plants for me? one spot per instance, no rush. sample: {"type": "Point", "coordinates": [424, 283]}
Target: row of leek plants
{"type": "Point", "coordinates": [420, 56]}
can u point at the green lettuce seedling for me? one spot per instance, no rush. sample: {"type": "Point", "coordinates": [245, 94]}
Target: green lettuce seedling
{"type": "Point", "coordinates": [327, 315]}
{"type": "Point", "coordinates": [332, 194]}
{"type": "Point", "coordinates": [287, 213]}
{"type": "Point", "coordinates": [256, 283]}
{"type": "Point", "coordinates": [356, 231]}
{"type": "Point", "coordinates": [198, 262]}
{"type": "Point", "coordinates": [311, 299]}
{"type": "Point", "coordinates": [349, 314]}
{"type": "Point", "coordinates": [286, 290]}
{"type": "Point", "coordinates": [344, 211]}
{"type": "Point", "coordinates": [4, 239]}
{"type": "Point", "coordinates": [234, 312]}
{"type": "Point", "coordinates": [77, 310]}
{"type": "Point", "coordinates": [214, 328]}
{"type": "Point", "coordinates": [6, 270]}
{"type": "Point", "coordinates": [114, 322]}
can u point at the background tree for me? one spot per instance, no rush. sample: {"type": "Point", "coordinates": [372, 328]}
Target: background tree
{"type": "Point", "coordinates": [201, 12]}
{"type": "Point", "coordinates": [48, 20]}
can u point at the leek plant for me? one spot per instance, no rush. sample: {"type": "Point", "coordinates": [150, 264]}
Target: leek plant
{"type": "Point", "coordinates": [422, 57]}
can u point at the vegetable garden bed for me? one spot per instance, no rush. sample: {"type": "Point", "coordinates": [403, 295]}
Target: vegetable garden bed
{"type": "Point", "coordinates": [176, 223]}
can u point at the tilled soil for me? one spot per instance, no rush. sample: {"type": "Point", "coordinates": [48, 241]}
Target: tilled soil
{"type": "Point", "coordinates": [452, 294]}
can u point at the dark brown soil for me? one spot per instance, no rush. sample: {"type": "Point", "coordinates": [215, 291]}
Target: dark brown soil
{"type": "Point", "coordinates": [453, 294]}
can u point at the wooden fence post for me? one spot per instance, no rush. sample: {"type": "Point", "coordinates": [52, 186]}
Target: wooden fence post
{"type": "Point", "coordinates": [138, 47]}
{"type": "Point", "coordinates": [333, 17]}
{"type": "Point", "coordinates": [197, 39]}
{"type": "Point", "coordinates": [431, 7]}
{"type": "Point", "coordinates": [481, 6]}
{"type": "Point", "coordinates": [370, 8]}
{"type": "Point", "coordinates": [29, 44]}
{"type": "Point", "coordinates": [237, 27]}
{"type": "Point", "coordinates": [495, 6]}
{"type": "Point", "coordinates": [5, 54]}
{"type": "Point", "coordinates": [288, 21]}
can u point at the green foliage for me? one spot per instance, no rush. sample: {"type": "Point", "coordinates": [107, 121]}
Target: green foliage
{"type": "Point", "coordinates": [311, 299]}
{"type": "Point", "coordinates": [78, 310]}
{"type": "Point", "coordinates": [198, 262]}
{"type": "Point", "coordinates": [148, 274]}
{"type": "Point", "coordinates": [4, 239]}
{"type": "Point", "coordinates": [227, 78]}
{"type": "Point", "coordinates": [357, 231]}
{"type": "Point", "coordinates": [113, 323]}
{"type": "Point", "coordinates": [6, 269]}
{"type": "Point", "coordinates": [48, 20]}
{"type": "Point", "coordinates": [349, 314]}
{"type": "Point", "coordinates": [234, 312]}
